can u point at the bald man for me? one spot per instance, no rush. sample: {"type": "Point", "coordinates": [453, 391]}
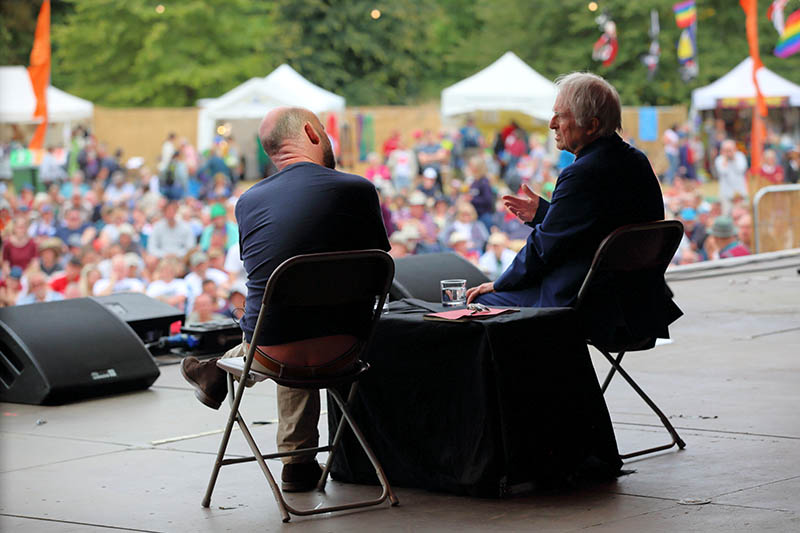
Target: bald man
{"type": "Point", "coordinates": [306, 207]}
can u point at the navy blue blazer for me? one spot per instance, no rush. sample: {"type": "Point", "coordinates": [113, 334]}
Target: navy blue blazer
{"type": "Point", "coordinates": [609, 185]}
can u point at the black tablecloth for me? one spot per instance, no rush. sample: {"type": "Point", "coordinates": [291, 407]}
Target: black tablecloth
{"type": "Point", "coordinates": [485, 408]}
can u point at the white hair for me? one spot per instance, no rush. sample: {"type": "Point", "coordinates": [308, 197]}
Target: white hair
{"type": "Point", "coordinates": [589, 96]}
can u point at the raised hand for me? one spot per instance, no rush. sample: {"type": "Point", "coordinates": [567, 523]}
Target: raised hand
{"type": "Point", "coordinates": [523, 207]}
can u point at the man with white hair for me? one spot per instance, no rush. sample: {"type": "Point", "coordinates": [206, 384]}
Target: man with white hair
{"type": "Point", "coordinates": [609, 185]}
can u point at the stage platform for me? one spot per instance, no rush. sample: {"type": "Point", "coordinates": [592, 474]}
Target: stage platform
{"type": "Point", "coordinates": [730, 381]}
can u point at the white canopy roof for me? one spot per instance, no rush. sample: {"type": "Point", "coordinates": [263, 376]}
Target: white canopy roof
{"type": "Point", "coordinates": [284, 86]}
{"type": "Point", "coordinates": [17, 101]}
{"type": "Point", "coordinates": [738, 83]}
{"type": "Point", "coordinates": [507, 84]}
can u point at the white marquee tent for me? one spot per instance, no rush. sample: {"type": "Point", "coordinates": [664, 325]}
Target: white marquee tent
{"type": "Point", "coordinates": [284, 86]}
{"type": "Point", "coordinates": [738, 83]}
{"type": "Point", "coordinates": [508, 84]}
{"type": "Point", "coordinates": [17, 101]}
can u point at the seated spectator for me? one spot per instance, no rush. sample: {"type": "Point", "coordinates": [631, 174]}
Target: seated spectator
{"type": "Point", "coordinates": [90, 274]}
{"type": "Point", "coordinates": [49, 254]}
{"type": "Point", "coordinates": [19, 249]}
{"type": "Point", "coordinates": [234, 307]}
{"type": "Point", "coordinates": [119, 280]}
{"type": "Point", "coordinates": [460, 244]}
{"type": "Point", "coordinates": [792, 166]}
{"type": "Point", "coordinates": [204, 311]}
{"type": "Point", "coordinates": [498, 256]}
{"type": "Point", "coordinates": [119, 191]}
{"type": "Point", "coordinates": [38, 290]}
{"type": "Point", "coordinates": [220, 189]}
{"type": "Point", "coordinates": [466, 222]}
{"type": "Point", "coordinates": [12, 289]}
{"type": "Point", "coordinates": [221, 226]}
{"type": "Point", "coordinates": [696, 233]}
{"type": "Point", "coordinates": [201, 271]}
{"type": "Point", "coordinates": [166, 287]}
{"type": "Point", "coordinates": [428, 186]}
{"type": "Point", "coordinates": [75, 232]}
{"type": "Point", "coordinates": [723, 241]}
{"type": "Point", "coordinates": [417, 216]}
{"type": "Point", "coordinates": [376, 171]}
{"type": "Point", "coordinates": [70, 274]}
{"type": "Point", "coordinates": [170, 236]}
{"type": "Point", "coordinates": [45, 225]}
{"type": "Point", "coordinates": [770, 170]}
{"type": "Point", "coordinates": [400, 246]}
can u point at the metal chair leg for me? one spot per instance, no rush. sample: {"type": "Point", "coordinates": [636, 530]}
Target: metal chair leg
{"type": "Point", "coordinates": [664, 420]}
{"type": "Point", "coordinates": [365, 446]}
{"type": "Point", "coordinates": [223, 445]}
{"type": "Point", "coordinates": [611, 372]}
{"type": "Point", "coordinates": [323, 480]}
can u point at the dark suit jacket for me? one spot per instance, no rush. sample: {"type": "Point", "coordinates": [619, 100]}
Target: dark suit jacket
{"type": "Point", "coordinates": [609, 185]}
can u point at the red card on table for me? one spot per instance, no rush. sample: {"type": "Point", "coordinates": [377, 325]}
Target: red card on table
{"type": "Point", "coordinates": [465, 315]}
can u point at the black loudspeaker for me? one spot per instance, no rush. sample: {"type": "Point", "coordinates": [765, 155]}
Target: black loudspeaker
{"type": "Point", "coordinates": [148, 317]}
{"type": "Point", "coordinates": [57, 352]}
{"type": "Point", "coordinates": [418, 276]}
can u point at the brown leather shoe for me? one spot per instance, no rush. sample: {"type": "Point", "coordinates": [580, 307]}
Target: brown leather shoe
{"type": "Point", "coordinates": [300, 477]}
{"type": "Point", "coordinates": [208, 380]}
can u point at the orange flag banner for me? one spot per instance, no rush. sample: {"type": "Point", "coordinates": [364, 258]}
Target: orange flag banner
{"type": "Point", "coordinates": [757, 132]}
{"type": "Point", "coordinates": [39, 72]}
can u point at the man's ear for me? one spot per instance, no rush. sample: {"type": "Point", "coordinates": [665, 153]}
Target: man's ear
{"type": "Point", "coordinates": [594, 126]}
{"type": "Point", "coordinates": [311, 133]}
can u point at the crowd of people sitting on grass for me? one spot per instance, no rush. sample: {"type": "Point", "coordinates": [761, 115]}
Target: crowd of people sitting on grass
{"type": "Point", "coordinates": [99, 225]}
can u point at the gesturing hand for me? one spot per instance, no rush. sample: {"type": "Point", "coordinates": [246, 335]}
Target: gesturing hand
{"type": "Point", "coordinates": [524, 207]}
{"type": "Point", "coordinates": [483, 288]}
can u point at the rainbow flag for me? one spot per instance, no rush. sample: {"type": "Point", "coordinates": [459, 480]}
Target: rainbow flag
{"type": "Point", "coordinates": [685, 13]}
{"type": "Point", "coordinates": [789, 42]}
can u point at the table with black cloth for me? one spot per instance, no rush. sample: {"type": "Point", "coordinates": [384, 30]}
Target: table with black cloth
{"type": "Point", "coordinates": [486, 408]}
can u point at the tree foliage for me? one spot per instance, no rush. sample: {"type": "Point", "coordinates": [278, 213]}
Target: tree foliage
{"type": "Point", "coordinates": [126, 53]}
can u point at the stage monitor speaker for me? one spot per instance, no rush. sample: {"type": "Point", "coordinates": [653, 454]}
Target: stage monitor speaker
{"type": "Point", "coordinates": [149, 318]}
{"type": "Point", "coordinates": [418, 276]}
{"type": "Point", "coordinates": [57, 352]}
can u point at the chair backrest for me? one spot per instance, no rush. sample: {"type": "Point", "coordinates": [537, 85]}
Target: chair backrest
{"type": "Point", "coordinates": [624, 303]}
{"type": "Point", "coordinates": [646, 247]}
{"type": "Point", "coordinates": [333, 280]}
{"type": "Point", "coordinates": [418, 276]}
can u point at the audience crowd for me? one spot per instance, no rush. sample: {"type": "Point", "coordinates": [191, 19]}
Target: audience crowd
{"type": "Point", "coordinates": [102, 225]}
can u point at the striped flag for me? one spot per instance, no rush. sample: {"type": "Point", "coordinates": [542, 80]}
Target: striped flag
{"type": "Point", "coordinates": [789, 42]}
{"type": "Point", "coordinates": [685, 13]}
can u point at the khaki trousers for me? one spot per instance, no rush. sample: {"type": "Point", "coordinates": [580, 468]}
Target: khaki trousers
{"type": "Point", "coordinates": [298, 413]}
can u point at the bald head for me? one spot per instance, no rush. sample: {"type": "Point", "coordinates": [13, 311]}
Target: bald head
{"type": "Point", "coordinates": [294, 134]}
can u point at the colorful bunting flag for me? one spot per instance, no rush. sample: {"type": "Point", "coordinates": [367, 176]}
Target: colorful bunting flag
{"type": "Point", "coordinates": [651, 58]}
{"type": "Point", "coordinates": [685, 13]}
{"type": "Point", "coordinates": [789, 42]}
{"type": "Point", "coordinates": [686, 18]}
{"type": "Point", "coordinates": [775, 14]}
{"type": "Point", "coordinates": [605, 49]}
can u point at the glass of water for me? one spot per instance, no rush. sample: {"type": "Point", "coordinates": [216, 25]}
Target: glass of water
{"type": "Point", "coordinates": [454, 292]}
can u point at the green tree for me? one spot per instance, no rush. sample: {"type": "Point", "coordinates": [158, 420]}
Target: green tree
{"type": "Point", "coordinates": [339, 46]}
{"type": "Point", "coordinates": [128, 53]}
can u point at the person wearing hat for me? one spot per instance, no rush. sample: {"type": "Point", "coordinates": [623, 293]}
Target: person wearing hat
{"type": "Point", "coordinates": [306, 207]}
{"type": "Point", "coordinates": [220, 226]}
{"type": "Point", "coordinates": [49, 254]}
{"type": "Point", "coordinates": [170, 236]}
{"type": "Point", "coordinates": [11, 287]}
{"type": "Point", "coordinates": [498, 256]}
{"type": "Point", "coordinates": [459, 242]}
{"type": "Point", "coordinates": [723, 241]}
{"type": "Point", "coordinates": [466, 222]}
{"type": "Point", "coordinates": [428, 186]}
{"type": "Point", "coordinates": [695, 232]}
{"type": "Point", "coordinates": [417, 215]}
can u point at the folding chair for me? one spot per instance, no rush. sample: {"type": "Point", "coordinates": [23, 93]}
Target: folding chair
{"type": "Point", "coordinates": [629, 267]}
{"type": "Point", "coordinates": [338, 280]}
